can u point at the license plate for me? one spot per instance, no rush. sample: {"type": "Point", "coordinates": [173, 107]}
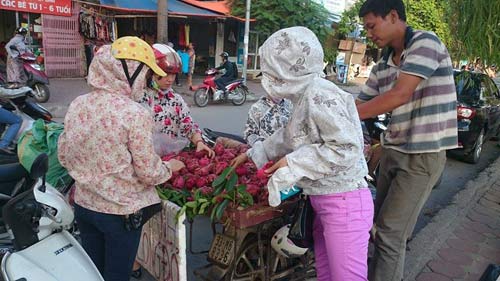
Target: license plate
{"type": "Point", "coordinates": [222, 250]}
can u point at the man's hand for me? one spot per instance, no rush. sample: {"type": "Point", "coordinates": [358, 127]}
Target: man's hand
{"type": "Point", "coordinates": [176, 165]}
{"type": "Point", "coordinates": [240, 159]}
{"type": "Point", "coordinates": [202, 146]}
{"type": "Point", "coordinates": [280, 164]}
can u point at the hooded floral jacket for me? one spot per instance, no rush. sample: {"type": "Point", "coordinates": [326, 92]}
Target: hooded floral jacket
{"type": "Point", "coordinates": [323, 140]}
{"type": "Point", "coordinates": [107, 143]}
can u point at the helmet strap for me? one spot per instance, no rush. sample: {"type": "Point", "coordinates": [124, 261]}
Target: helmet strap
{"type": "Point", "coordinates": [131, 80]}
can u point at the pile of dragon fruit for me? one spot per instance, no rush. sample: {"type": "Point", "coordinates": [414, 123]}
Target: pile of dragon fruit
{"type": "Point", "coordinates": [201, 171]}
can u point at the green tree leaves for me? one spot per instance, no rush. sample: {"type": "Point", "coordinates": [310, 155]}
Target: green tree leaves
{"type": "Point", "coordinates": [476, 26]}
{"type": "Point", "coordinates": [272, 15]}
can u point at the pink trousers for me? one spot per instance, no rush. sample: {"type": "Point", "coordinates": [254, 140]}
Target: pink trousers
{"type": "Point", "coordinates": [341, 233]}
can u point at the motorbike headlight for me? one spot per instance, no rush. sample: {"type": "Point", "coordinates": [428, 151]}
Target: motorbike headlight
{"type": "Point", "coordinates": [36, 66]}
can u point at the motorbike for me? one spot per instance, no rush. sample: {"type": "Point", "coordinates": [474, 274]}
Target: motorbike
{"type": "Point", "coordinates": [38, 221]}
{"type": "Point", "coordinates": [210, 136]}
{"type": "Point", "coordinates": [37, 79]}
{"type": "Point", "coordinates": [236, 91]}
{"type": "Point", "coordinates": [17, 101]}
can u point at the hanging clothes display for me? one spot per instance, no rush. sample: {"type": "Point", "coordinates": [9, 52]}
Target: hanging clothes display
{"type": "Point", "coordinates": [87, 25]}
{"type": "Point", "coordinates": [182, 36]}
{"type": "Point", "coordinates": [95, 26]}
{"type": "Point", "coordinates": [187, 28]}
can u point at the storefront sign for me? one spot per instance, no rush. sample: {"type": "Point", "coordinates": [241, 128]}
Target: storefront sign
{"type": "Point", "coordinates": [51, 7]}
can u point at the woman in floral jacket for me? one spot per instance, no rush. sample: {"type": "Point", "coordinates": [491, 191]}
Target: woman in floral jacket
{"type": "Point", "coordinates": [107, 147]}
{"type": "Point", "coordinates": [172, 117]}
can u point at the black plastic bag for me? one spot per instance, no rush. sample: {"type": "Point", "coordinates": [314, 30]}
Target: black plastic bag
{"type": "Point", "coordinates": [301, 228]}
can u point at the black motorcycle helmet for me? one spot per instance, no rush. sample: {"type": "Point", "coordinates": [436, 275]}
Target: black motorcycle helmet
{"type": "Point", "coordinates": [21, 30]}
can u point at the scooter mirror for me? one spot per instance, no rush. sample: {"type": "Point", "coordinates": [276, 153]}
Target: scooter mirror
{"type": "Point", "coordinates": [40, 166]}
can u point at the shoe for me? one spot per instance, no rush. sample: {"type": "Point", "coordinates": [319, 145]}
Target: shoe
{"type": "Point", "coordinates": [179, 85]}
{"type": "Point", "coordinates": [4, 150]}
{"type": "Point", "coordinates": [137, 273]}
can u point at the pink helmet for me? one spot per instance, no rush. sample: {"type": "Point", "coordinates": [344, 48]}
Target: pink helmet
{"type": "Point", "coordinates": [167, 58]}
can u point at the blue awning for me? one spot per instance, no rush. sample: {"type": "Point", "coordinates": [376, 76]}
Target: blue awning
{"type": "Point", "coordinates": [174, 7]}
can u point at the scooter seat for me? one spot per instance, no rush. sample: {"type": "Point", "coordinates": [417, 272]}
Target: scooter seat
{"type": "Point", "coordinates": [12, 172]}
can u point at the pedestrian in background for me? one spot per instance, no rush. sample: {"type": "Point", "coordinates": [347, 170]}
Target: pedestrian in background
{"type": "Point", "coordinates": [414, 81]}
{"type": "Point", "coordinates": [171, 45]}
{"type": "Point", "coordinates": [192, 61]}
{"type": "Point", "coordinates": [183, 54]}
{"type": "Point", "coordinates": [16, 47]}
{"type": "Point", "coordinates": [107, 148]}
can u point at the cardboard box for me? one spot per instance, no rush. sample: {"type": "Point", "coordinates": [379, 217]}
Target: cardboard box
{"type": "Point", "coordinates": [353, 58]}
{"type": "Point", "coordinates": [359, 48]}
{"type": "Point", "coordinates": [162, 250]}
{"type": "Point", "coordinates": [346, 45]}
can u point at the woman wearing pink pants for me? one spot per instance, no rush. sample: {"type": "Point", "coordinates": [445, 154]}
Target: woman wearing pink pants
{"type": "Point", "coordinates": [320, 150]}
{"type": "Point", "coordinates": [341, 232]}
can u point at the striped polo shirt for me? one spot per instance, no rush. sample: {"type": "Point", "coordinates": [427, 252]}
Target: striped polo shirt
{"type": "Point", "coordinates": [428, 122]}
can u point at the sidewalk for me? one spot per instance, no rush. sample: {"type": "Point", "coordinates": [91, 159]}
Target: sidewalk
{"type": "Point", "coordinates": [464, 238]}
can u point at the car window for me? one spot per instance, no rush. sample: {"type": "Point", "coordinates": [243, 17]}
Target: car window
{"type": "Point", "coordinates": [467, 85]}
{"type": "Point", "coordinates": [491, 91]}
{"type": "Point", "coordinates": [494, 87]}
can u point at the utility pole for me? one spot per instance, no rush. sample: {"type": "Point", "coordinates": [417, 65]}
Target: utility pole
{"type": "Point", "coordinates": [162, 22]}
{"type": "Point", "coordinates": [245, 41]}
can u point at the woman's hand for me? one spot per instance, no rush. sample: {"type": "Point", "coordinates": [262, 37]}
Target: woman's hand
{"type": "Point", "coordinates": [240, 159]}
{"type": "Point", "coordinates": [176, 165]}
{"type": "Point", "coordinates": [280, 164]}
{"type": "Point", "coordinates": [202, 146]}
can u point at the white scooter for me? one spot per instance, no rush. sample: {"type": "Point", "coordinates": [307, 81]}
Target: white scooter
{"type": "Point", "coordinates": [38, 220]}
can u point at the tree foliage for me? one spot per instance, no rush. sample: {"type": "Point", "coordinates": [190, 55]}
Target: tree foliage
{"type": "Point", "coordinates": [350, 19]}
{"type": "Point", "coordinates": [476, 26]}
{"type": "Point", "coordinates": [429, 15]}
{"type": "Point", "coordinates": [420, 14]}
{"type": "Point", "coordinates": [272, 15]}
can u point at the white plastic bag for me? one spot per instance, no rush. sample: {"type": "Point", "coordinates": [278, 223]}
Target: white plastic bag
{"type": "Point", "coordinates": [165, 144]}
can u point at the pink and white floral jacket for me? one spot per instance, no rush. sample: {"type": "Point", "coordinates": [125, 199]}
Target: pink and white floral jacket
{"type": "Point", "coordinates": [107, 143]}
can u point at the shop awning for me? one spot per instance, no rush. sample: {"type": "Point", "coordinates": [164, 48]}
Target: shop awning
{"type": "Point", "coordinates": [174, 7]}
{"type": "Point", "coordinates": [215, 6]}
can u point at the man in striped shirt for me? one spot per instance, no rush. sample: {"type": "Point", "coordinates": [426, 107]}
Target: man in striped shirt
{"type": "Point", "coordinates": [414, 81]}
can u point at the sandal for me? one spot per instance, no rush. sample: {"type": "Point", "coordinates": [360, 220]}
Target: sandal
{"type": "Point", "coordinates": [137, 273]}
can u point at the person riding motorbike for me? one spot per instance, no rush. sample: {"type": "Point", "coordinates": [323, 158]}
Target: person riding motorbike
{"type": "Point", "coordinates": [15, 47]}
{"type": "Point", "coordinates": [229, 75]}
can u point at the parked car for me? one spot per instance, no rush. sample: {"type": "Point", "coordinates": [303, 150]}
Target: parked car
{"type": "Point", "coordinates": [478, 112]}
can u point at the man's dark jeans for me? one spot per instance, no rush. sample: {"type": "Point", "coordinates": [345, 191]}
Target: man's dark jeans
{"type": "Point", "coordinates": [110, 246]}
{"type": "Point", "coordinates": [221, 82]}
